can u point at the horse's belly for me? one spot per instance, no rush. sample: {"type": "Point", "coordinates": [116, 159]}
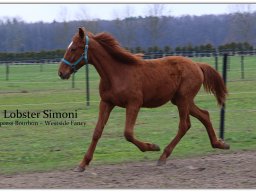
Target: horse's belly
{"type": "Point", "coordinates": [154, 103]}
{"type": "Point", "coordinates": [157, 100]}
{"type": "Point", "coordinates": [157, 94]}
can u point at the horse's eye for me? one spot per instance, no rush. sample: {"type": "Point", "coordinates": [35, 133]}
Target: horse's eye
{"type": "Point", "coordinates": [73, 49]}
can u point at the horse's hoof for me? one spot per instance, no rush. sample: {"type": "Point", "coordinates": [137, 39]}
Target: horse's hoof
{"type": "Point", "coordinates": [224, 145]}
{"type": "Point", "coordinates": [161, 162]}
{"type": "Point", "coordinates": [220, 144]}
{"type": "Point", "coordinates": [156, 147]}
{"type": "Point", "coordinates": [79, 169]}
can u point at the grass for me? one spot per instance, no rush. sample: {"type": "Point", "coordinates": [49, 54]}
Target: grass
{"type": "Point", "coordinates": [42, 148]}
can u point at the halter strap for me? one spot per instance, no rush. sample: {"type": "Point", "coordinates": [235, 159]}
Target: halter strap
{"type": "Point", "coordinates": [83, 56]}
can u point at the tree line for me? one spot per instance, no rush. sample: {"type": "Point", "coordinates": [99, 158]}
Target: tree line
{"type": "Point", "coordinates": [53, 55]}
{"type": "Point", "coordinates": [136, 33]}
{"type": "Point", "coordinates": [56, 55]}
{"type": "Point", "coordinates": [233, 46]}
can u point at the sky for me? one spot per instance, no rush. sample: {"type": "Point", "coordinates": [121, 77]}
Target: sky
{"type": "Point", "coordinates": [66, 12]}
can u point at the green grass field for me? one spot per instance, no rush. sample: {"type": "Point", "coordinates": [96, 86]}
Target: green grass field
{"type": "Point", "coordinates": [44, 147]}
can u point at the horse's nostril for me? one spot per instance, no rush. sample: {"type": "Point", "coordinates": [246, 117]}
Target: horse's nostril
{"type": "Point", "coordinates": [63, 75]}
{"type": "Point", "coordinates": [60, 74]}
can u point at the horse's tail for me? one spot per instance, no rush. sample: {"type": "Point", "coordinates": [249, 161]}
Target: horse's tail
{"type": "Point", "coordinates": [213, 83]}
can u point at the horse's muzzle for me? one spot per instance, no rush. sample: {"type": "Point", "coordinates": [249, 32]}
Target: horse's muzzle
{"type": "Point", "coordinates": [64, 75]}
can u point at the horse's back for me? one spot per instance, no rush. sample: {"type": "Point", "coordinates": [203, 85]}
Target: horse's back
{"type": "Point", "coordinates": [170, 76]}
{"type": "Point", "coordinates": [177, 66]}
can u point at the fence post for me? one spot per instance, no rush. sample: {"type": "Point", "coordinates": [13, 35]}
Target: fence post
{"type": "Point", "coordinates": [73, 80]}
{"type": "Point", "coordinates": [41, 67]}
{"type": "Point", "coordinates": [7, 71]}
{"type": "Point", "coordinates": [222, 112]}
{"type": "Point", "coordinates": [216, 59]}
{"type": "Point", "coordinates": [87, 85]}
{"type": "Point", "coordinates": [242, 66]}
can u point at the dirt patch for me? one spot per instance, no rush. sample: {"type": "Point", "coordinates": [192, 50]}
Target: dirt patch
{"type": "Point", "coordinates": [234, 170]}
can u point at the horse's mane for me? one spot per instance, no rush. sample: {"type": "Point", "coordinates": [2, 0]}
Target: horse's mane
{"type": "Point", "coordinates": [114, 48]}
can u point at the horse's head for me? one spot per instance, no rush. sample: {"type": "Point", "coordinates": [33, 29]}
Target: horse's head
{"type": "Point", "coordinates": [75, 56]}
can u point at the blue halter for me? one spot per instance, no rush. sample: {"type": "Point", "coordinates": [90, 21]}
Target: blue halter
{"type": "Point", "coordinates": [83, 56]}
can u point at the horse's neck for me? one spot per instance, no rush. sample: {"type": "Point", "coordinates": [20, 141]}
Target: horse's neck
{"type": "Point", "coordinates": [104, 64]}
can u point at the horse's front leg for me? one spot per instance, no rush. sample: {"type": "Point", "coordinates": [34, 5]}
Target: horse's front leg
{"type": "Point", "coordinates": [131, 116]}
{"type": "Point", "coordinates": [104, 112]}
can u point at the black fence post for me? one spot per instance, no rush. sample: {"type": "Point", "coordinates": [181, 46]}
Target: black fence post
{"type": "Point", "coordinates": [216, 59]}
{"type": "Point", "coordinates": [41, 67]}
{"type": "Point", "coordinates": [73, 80]}
{"type": "Point", "coordinates": [7, 71]}
{"type": "Point", "coordinates": [242, 66]}
{"type": "Point", "coordinates": [87, 85]}
{"type": "Point", "coordinates": [222, 112]}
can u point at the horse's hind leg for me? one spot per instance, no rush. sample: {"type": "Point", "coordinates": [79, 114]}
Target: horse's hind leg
{"type": "Point", "coordinates": [131, 116]}
{"type": "Point", "coordinates": [184, 125]}
{"type": "Point", "coordinates": [204, 117]}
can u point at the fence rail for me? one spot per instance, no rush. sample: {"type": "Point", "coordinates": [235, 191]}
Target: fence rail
{"type": "Point", "coordinates": [214, 57]}
{"type": "Point", "coordinates": [147, 55]}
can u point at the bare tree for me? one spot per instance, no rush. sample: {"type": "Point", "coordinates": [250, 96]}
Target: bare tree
{"type": "Point", "coordinates": [62, 35]}
{"type": "Point", "coordinates": [15, 27]}
{"type": "Point", "coordinates": [158, 10]}
{"type": "Point", "coordinates": [242, 22]}
{"type": "Point", "coordinates": [126, 27]}
{"type": "Point", "coordinates": [63, 14]}
{"type": "Point", "coordinates": [241, 8]}
{"type": "Point", "coordinates": [91, 24]}
{"type": "Point", "coordinates": [156, 20]}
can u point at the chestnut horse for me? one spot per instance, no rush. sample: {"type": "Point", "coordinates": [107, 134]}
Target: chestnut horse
{"type": "Point", "coordinates": [128, 81]}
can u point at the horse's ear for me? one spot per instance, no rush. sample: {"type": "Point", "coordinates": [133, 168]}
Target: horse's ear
{"type": "Point", "coordinates": [81, 33]}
